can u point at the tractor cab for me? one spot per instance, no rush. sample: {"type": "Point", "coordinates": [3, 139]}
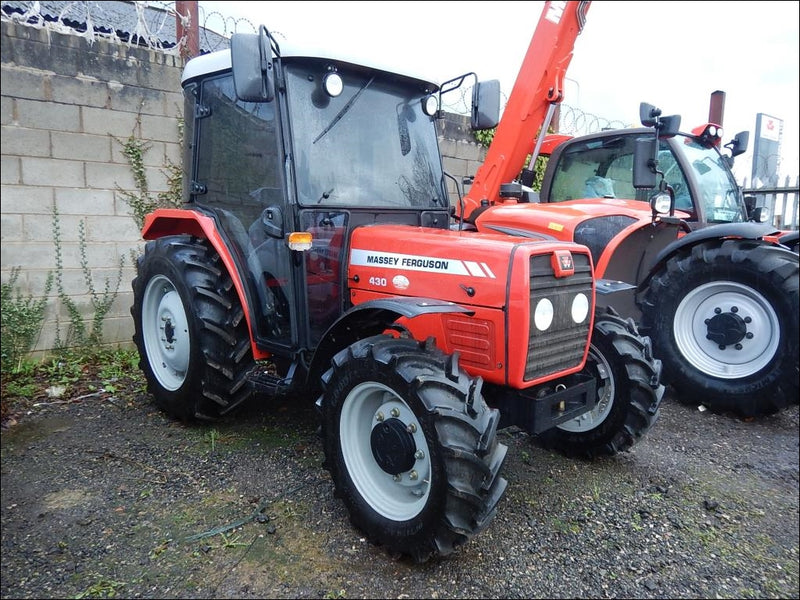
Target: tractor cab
{"type": "Point", "coordinates": [288, 151]}
{"type": "Point", "coordinates": [671, 170]}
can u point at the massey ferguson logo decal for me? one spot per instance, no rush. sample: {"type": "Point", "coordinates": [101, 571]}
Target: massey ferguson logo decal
{"type": "Point", "coordinates": [412, 262]}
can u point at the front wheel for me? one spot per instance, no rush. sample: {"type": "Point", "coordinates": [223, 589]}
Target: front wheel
{"type": "Point", "coordinates": [723, 317]}
{"type": "Point", "coordinates": [411, 446]}
{"type": "Point", "coordinates": [628, 392]}
{"type": "Point", "coordinates": [190, 330]}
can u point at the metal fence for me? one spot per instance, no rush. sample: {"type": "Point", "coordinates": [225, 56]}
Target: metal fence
{"type": "Point", "coordinates": [782, 201]}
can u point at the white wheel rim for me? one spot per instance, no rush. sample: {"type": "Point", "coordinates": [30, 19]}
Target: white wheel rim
{"type": "Point", "coordinates": [400, 497]}
{"type": "Point", "coordinates": [701, 304]}
{"type": "Point", "coordinates": [165, 330]}
{"type": "Point", "coordinates": [605, 397]}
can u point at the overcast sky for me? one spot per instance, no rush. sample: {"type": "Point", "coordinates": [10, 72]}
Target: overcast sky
{"type": "Point", "coordinates": [671, 54]}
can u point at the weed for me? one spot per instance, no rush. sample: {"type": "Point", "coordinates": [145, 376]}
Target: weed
{"type": "Point", "coordinates": [22, 319]}
{"type": "Point", "coordinates": [212, 438]}
{"type": "Point", "coordinates": [143, 202]}
{"type": "Point", "coordinates": [231, 542]}
{"type": "Point", "coordinates": [336, 594]}
{"type": "Point", "coordinates": [78, 336]}
{"type": "Point", "coordinates": [103, 588]}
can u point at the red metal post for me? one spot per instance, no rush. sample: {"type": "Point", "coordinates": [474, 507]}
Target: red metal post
{"type": "Point", "coordinates": [191, 30]}
{"type": "Point", "coordinates": [716, 108]}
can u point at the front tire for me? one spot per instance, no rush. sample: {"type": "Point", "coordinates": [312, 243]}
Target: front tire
{"type": "Point", "coordinates": [194, 347]}
{"type": "Point", "coordinates": [411, 446]}
{"type": "Point", "coordinates": [628, 392]}
{"type": "Point", "coordinates": [723, 317]}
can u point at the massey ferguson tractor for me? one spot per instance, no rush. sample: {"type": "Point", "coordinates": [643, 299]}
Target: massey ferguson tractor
{"type": "Point", "coordinates": [670, 234]}
{"type": "Point", "coordinates": [314, 259]}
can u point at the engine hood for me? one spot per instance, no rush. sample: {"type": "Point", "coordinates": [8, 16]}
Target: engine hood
{"type": "Point", "coordinates": [560, 220]}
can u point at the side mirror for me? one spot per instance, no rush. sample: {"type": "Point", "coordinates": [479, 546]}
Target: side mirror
{"type": "Point", "coordinates": [648, 114]}
{"type": "Point", "coordinates": [644, 171]}
{"type": "Point", "coordinates": [251, 58]}
{"type": "Point", "coordinates": [738, 145]}
{"type": "Point", "coordinates": [760, 214]}
{"type": "Point", "coordinates": [485, 105]}
{"type": "Point", "coordinates": [668, 127]}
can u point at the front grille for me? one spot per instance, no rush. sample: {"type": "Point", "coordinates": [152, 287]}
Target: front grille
{"type": "Point", "coordinates": [561, 345]}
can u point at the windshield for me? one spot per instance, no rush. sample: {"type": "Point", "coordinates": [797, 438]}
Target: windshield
{"type": "Point", "coordinates": [718, 191]}
{"type": "Point", "coordinates": [369, 146]}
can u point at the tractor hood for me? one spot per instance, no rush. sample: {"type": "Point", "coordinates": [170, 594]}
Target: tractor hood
{"type": "Point", "coordinates": [561, 220]}
{"type": "Point", "coordinates": [464, 267]}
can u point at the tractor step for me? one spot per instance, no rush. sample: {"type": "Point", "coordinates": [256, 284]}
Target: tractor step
{"type": "Point", "coordinates": [265, 382]}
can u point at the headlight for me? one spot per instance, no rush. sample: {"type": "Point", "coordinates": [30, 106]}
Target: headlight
{"type": "Point", "coordinates": [430, 105]}
{"type": "Point", "coordinates": [543, 314]}
{"type": "Point", "coordinates": [660, 203]}
{"type": "Point", "coordinates": [580, 308]}
{"type": "Point", "coordinates": [333, 84]}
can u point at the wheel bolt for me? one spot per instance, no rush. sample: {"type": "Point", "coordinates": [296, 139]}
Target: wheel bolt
{"type": "Point", "coordinates": [748, 320]}
{"type": "Point", "coordinates": [395, 412]}
{"type": "Point", "coordinates": [413, 475]}
{"type": "Point", "coordinates": [717, 311]}
{"type": "Point", "coordinates": [738, 346]}
{"type": "Point", "coordinates": [412, 428]}
{"type": "Point", "coordinates": [396, 477]}
{"type": "Point", "coordinates": [749, 335]}
{"type": "Point", "coordinates": [379, 417]}
{"type": "Point", "coordinates": [722, 346]}
{"type": "Point", "coordinates": [734, 309]}
{"type": "Point", "coordinates": [419, 455]}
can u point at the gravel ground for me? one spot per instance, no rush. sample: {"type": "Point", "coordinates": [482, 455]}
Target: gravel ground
{"type": "Point", "coordinates": [104, 496]}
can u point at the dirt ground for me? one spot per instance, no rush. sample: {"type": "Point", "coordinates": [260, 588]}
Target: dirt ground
{"type": "Point", "coordinates": [103, 495]}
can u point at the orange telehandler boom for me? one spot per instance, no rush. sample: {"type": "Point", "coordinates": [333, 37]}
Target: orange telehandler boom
{"type": "Point", "coordinates": [538, 90]}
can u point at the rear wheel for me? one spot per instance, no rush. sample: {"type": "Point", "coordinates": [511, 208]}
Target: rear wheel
{"type": "Point", "coordinates": [628, 392]}
{"type": "Point", "coordinates": [723, 317]}
{"type": "Point", "coordinates": [411, 446]}
{"type": "Point", "coordinates": [190, 330]}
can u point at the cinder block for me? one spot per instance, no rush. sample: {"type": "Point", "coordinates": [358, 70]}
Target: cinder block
{"type": "Point", "coordinates": [109, 176]}
{"type": "Point", "coordinates": [81, 146]}
{"type": "Point", "coordinates": [159, 128]}
{"type": "Point", "coordinates": [29, 84]}
{"type": "Point", "coordinates": [39, 228]}
{"type": "Point", "coordinates": [85, 202]}
{"type": "Point", "coordinates": [48, 115]}
{"type": "Point", "coordinates": [79, 90]}
{"type": "Point", "coordinates": [53, 172]}
{"type": "Point", "coordinates": [103, 229]}
{"type": "Point", "coordinates": [6, 110]}
{"type": "Point", "coordinates": [10, 228]}
{"type": "Point", "coordinates": [27, 199]}
{"type": "Point", "coordinates": [109, 122]}
{"type": "Point", "coordinates": [10, 171]}
{"type": "Point", "coordinates": [21, 141]}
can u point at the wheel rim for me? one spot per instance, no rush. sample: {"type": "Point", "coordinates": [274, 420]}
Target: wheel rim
{"type": "Point", "coordinates": [371, 406]}
{"type": "Point", "coordinates": [726, 330]}
{"type": "Point", "coordinates": [165, 330]}
{"type": "Point", "coordinates": [605, 396]}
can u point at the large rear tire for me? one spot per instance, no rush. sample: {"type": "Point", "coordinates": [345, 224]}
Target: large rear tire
{"type": "Point", "coordinates": [723, 317]}
{"type": "Point", "coordinates": [194, 347]}
{"type": "Point", "coordinates": [411, 446]}
{"type": "Point", "coordinates": [628, 392]}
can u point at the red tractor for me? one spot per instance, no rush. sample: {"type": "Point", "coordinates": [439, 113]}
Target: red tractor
{"type": "Point", "coordinates": [314, 259]}
{"type": "Point", "coordinates": [678, 249]}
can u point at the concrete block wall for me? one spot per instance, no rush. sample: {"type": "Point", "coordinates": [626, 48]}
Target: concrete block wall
{"type": "Point", "coordinates": [66, 106]}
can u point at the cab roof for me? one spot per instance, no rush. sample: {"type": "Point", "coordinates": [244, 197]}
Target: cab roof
{"type": "Point", "coordinates": [221, 61]}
